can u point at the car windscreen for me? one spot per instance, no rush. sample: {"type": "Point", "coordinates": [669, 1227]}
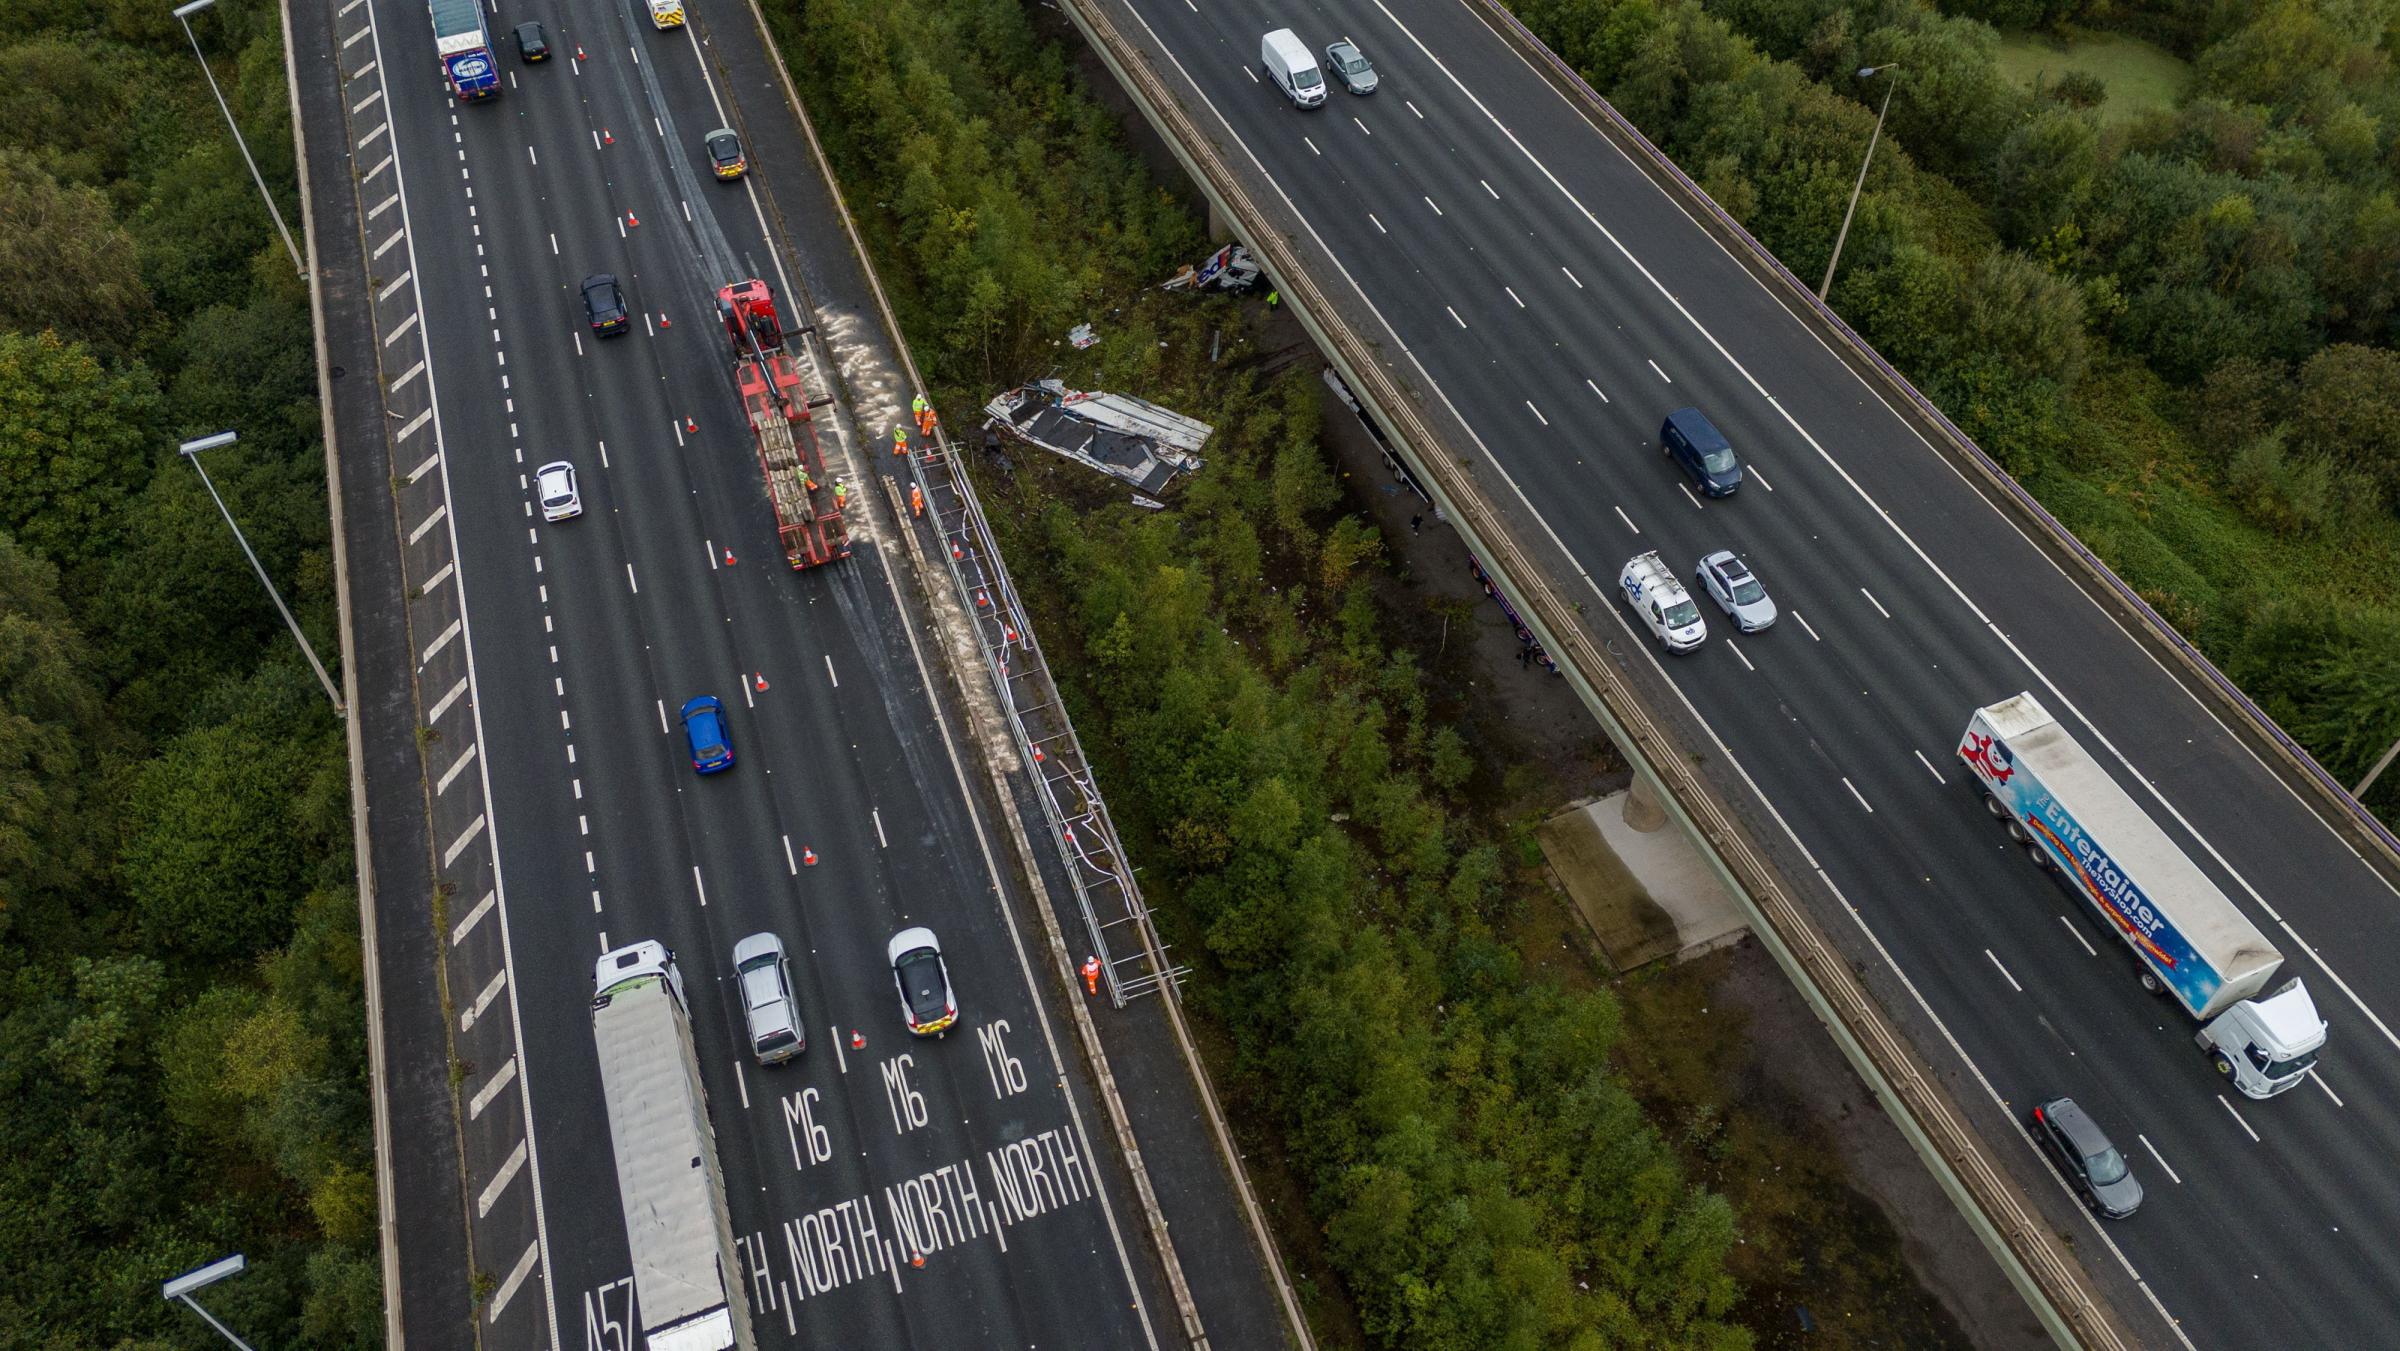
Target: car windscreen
{"type": "Point", "coordinates": [1717, 461]}
{"type": "Point", "coordinates": [1747, 591]}
{"type": "Point", "coordinates": [1307, 79]}
{"type": "Point", "coordinates": [1682, 615]}
{"type": "Point", "coordinates": [2104, 1167]}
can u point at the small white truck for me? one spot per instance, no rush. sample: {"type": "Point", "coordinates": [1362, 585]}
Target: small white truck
{"type": "Point", "coordinates": [1657, 595]}
{"type": "Point", "coordinates": [2188, 941]}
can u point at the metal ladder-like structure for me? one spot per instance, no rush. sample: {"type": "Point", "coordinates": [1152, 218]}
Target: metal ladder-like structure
{"type": "Point", "coordinates": [1133, 958]}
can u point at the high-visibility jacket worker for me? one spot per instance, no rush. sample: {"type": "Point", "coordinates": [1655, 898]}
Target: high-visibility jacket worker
{"type": "Point", "coordinates": [1091, 975]}
{"type": "Point", "coordinates": [899, 440]}
{"type": "Point", "coordinates": [916, 408]}
{"type": "Point", "coordinates": [841, 494]}
{"type": "Point", "coordinates": [916, 500]}
{"type": "Point", "coordinates": [925, 421]}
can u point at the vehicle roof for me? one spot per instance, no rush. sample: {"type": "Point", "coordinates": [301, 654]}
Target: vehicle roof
{"type": "Point", "coordinates": [554, 467]}
{"type": "Point", "coordinates": [757, 945]}
{"type": "Point", "coordinates": [908, 940]}
{"type": "Point", "coordinates": [2073, 1122]}
{"type": "Point", "coordinates": [533, 26]}
{"type": "Point", "coordinates": [706, 702]}
{"type": "Point", "coordinates": [1698, 430]}
{"type": "Point", "coordinates": [599, 279]}
{"type": "Point", "coordinates": [722, 131]}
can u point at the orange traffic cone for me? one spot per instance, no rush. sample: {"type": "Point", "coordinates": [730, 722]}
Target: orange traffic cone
{"type": "Point", "coordinates": [956, 551]}
{"type": "Point", "coordinates": [1038, 757]}
{"type": "Point", "coordinates": [632, 221]}
{"type": "Point", "coordinates": [858, 1040]}
{"type": "Point", "coordinates": [1010, 633]}
{"type": "Point", "coordinates": [665, 322]}
{"type": "Point", "coordinates": [983, 599]}
{"type": "Point", "coordinates": [762, 682]}
{"type": "Point", "coordinates": [916, 1259]}
{"type": "Point", "coordinates": [607, 137]}
{"type": "Point", "coordinates": [729, 558]}
{"type": "Point", "coordinates": [808, 857]}
{"type": "Point", "coordinates": [579, 53]}
{"type": "Point", "coordinates": [691, 424]}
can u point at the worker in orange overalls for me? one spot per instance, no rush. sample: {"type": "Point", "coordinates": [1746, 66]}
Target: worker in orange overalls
{"type": "Point", "coordinates": [916, 501]}
{"type": "Point", "coordinates": [841, 494]}
{"type": "Point", "coordinates": [1091, 975]}
{"type": "Point", "coordinates": [899, 440]}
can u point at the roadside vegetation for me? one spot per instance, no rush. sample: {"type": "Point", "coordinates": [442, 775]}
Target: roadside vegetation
{"type": "Point", "coordinates": [1421, 1071]}
{"type": "Point", "coordinates": [2169, 307]}
{"type": "Point", "coordinates": [182, 1033]}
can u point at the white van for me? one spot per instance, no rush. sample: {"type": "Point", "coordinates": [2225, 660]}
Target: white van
{"type": "Point", "coordinates": [1292, 68]}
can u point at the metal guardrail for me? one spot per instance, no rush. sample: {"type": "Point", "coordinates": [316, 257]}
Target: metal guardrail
{"type": "Point", "coordinates": [1992, 473]}
{"type": "Point", "coordinates": [1874, 1041]}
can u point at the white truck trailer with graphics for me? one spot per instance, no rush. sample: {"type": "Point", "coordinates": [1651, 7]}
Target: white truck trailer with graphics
{"type": "Point", "coordinates": [2190, 942]}
{"type": "Point", "coordinates": [687, 1277]}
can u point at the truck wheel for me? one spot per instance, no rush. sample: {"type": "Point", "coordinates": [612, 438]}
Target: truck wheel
{"type": "Point", "coordinates": [2017, 832]}
{"type": "Point", "coordinates": [2223, 1063]}
{"type": "Point", "coordinates": [2152, 983]}
{"type": "Point", "coordinates": [1992, 804]}
{"type": "Point", "coordinates": [2034, 851]}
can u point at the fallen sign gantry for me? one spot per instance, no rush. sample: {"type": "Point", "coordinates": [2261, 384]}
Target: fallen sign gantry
{"type": "Point", "coordinates": [1119, 435]}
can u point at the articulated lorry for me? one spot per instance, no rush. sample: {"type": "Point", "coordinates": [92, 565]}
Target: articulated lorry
{"type": "Point", "coordinates": [2189, 941]}
{"type": "Point", "coordinates": [687, 1276]}
{"type": "Point", "coordinates": [465, 46]}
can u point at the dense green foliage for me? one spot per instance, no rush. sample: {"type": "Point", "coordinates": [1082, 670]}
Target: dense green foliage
{"type": "Point", "coordinates": [1479, 1178]}
{"type": "Point", "coordinates": [182, 1038]}
{"type": "Point", "coordinates": [2177, 329]}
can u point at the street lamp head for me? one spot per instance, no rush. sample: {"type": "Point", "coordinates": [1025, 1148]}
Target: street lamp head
{"type": "Point", "coordinates": [207, 443]}
{"type": "Point", "coordinates": [1867, 71]}
{"type": "Point", "coordinates": [198, 1277]}
{"type": "Point", "coordinates": [188, 10]}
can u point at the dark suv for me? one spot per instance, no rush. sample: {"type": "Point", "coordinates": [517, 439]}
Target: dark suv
{"type": "Point", "coordinates": [2076, 1144]}
{"type": "Point", "coordinates": [604, 304]}
{"type": "Point", "coordinates": [1693, 442]}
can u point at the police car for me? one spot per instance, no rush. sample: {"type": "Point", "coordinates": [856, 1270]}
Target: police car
{"type": "Point", "coordinates": [1651, 588]}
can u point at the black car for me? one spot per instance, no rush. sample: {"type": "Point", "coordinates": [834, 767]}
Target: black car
{"type": "Point", "coordinates": [604, 304]}
{"type": "Point", "coordinates": [1693, 442]}
{"type": "Point", "coordinates": [2076, 1144]}
{"type": "Point", "coordinates": [533, 44]}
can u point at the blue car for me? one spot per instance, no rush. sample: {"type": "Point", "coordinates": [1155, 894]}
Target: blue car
{"type": "Point", "coordinates": [704, 727]}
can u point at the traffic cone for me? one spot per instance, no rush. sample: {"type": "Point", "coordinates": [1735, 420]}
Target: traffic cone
{"type": "Point", "coordinates": [808, 857]}
{"type": "Point", "coordinates": [607, 137]}
{"type": "Point", "coordinates": [729, 558]}
{"type": "Point", "coordinates": [956, 551]}
{"type": "Point", "coordinates": [691, 424]}
{"type": "Point", "coordinates": [983, 600]}
{"type": "Point", "coordinates": [858, 1040]}
{"type": "Point", "coordinates": [1009, 633]}
{"type": "Point", "coordinates": [762, 682]}
{"type": "Point", "coordinates": [579, 52]}
{"type": "Point", "coordinates": [1038, 757]}
{"type": "Point", "coordinates": [665, 322]}
{"type": "Point", "coordinates": [916, 1259]}
{"type": "Point", "coordinates": [632, 221]}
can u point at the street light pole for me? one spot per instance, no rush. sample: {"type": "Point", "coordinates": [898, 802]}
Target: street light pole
{"type": "Point", "coordinates": [191, 451]}
{"type": "Point", "coordinates": [180, 1290]}
{"type": "Point", "coordinates": [183, 16]}
{"type": "Point", "coordinates": [1835, 261]}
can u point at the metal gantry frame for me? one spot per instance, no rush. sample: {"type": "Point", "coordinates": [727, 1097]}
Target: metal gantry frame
{"type": "Point", "coordinates": [1133, 958]}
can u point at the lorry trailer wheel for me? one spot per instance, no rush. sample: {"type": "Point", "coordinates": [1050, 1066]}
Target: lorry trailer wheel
{"type": "Point", "coordinates": [2152, 983]}
{"type": "Point", "coordinates": [2034, 851]}
{"type": "Point", "coordinates": [2017, 832]}
{"type": "Point", "coordinates": [2223, 1063]}
{"type": "Point", "coordinates": [1992, 804]}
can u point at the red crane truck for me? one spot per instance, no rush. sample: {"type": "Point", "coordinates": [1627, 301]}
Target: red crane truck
{"type": "Point", "coordinates": [808, 510]}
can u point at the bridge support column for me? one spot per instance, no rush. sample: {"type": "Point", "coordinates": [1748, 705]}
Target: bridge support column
{"type": "Point", "coordinates": [1642, 811]}
{"type": "Point", "coordinates": [1219, 229]}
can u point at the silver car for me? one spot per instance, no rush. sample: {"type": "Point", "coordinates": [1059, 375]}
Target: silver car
{"type": "Point", "coordinates": [1736, 590]}
{"type": "Point", "coordinates": [1350, 65]}
{"type": "Point", "coordinates": [768, 1008]}
{"type": "Point", "coordinates": [560, 501]}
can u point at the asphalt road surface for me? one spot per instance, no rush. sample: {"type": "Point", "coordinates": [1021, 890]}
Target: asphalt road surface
{"type": "Point", "coordinates": [1563, 305]}
{"type": "Point", "coordinates": [974, 1151]}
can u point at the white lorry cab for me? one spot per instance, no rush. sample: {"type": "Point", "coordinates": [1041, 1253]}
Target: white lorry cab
{"type": "Point", "coordinates": [1291, 66]}
{"type": "Point", "coordinates": [1654, 592]}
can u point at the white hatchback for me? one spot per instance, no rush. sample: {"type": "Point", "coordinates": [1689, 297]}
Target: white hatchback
{"type": "Point", "coordinates": [560, 501]}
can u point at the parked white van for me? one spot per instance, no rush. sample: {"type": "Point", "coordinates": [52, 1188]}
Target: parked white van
{"type": "Point", "coordinates": [1292, 68]}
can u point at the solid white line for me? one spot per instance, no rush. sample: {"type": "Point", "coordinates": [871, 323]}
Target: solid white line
{"type": "Point", "coordinates": [464, 757]}
{"type": "Point", "coordinates": [2162, 1159]}
{"type": "Point", "coordinates": [1661, 374]}
{"type": "Point", "coordinates": [460, 930]}
{"type": "Point", "coordinates": [2237, 1118]}
{"type": "Point", "coordinates": [500, 1180]}
{"type": "Point", "coordinates": [1596, 390]}
{"type": "Point", "coordinates": [1737, 652]}
{"type": "Point", "coordinates": [515, 1278]}
{"type": "Point", "coordinates": [2012, 980]}
{"type": "Point", "coordinates": [1454, 317]}
{"type": "Point", "coordinates": [1937, 774]}
{"type": "Point", "coordinates": [1537, 413]}
{"type": "Point", "coordinates": [428, 523]}
{"type": "Point", "coordinates": [491, 1088]}
{"type": "Point", "coordinates": [1628, 520]}
{"type": "Point", "coordinates": [1804, 624]}
{"type": "Point", "coordinates": [415, 422]}
{"type": "Point", "coordinates": [2088, 949]}
{"type": "Point", "coordinates": [1862, 798]}
{"type": "Point", "coordinates": [443, 706]}
{"type": "Point", "coordinates": [1512, 294]}
{"type": "Point", "coordinates": [465, 838]}
{"type": "Point", "coordinates": [442, 641]}
{"type": "Point", "coordinates": [397, 283]}
{"type": "Point", "coordinates": [1874, 602]}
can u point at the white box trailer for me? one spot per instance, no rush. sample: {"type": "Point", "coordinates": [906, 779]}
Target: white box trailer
{"type": "Point", "coordinates": [687, 1281]}
{"type": "Point", "coordinates": [2190, 941]}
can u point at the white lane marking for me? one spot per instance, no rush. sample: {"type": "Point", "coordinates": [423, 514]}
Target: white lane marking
{"type": "Point", "coordinates": [1862, 798]}
{"type": "Point", "coordinates": [385, 204]}
{"type": "Point", "coordinates": [709, 546]}
{"type": "Point", "coordinates": [1752, 471]}
{"type": "Point", "coordinates": [841, 1059]}
{"type": "Point", "coordinates": [662, 717]}
{"type": "Point", "coordinates": [500, 1180]}
{"type": "Point", "coordinates": [537, 160]}
{"type": "Point", "coordinates": [380, 166]}
{"type": "Point", "coordinates": [423, 467]}
{"type": "Point", "coordinates": [790, 864]}
{"type": "Point", "coordinates": [353, 40]}
{"type": "Point", "coordinates": [442, 641]}
{"type": "Point", "coordinates": [443, 705]}
{"type": "Point", "coordinates": [364, 71]}
{"type": "Point", "coordinates": [460, 930]}
{"type": "Point", "coordinates": [491, 1088]}
{"type": "Point", "coordinates": [1437, 206]}
{"type": "Point", "coordinates": [344, 11]}
{"type": "Point", "coordinates": [1454, 317]}
{"type": "Point", "coordinates": [879, 839]}
{"type": "Point", "coordinates": [1512, 294]}
{"type": "Point", "coordinates": [1596, 390]}
{"type": "Point", "coordinates": [554, 244]}
{"type": "Point", "coordinates": [433, 583]}
{"type": "Point", "coordinates": [1488, 188]}
{"type": "Point", "coordinates": [1415, 109]}
{"type": "Point", "coordinates": [1253, 75]}
{"type": "Point", "coordinates": [1737, 652]}
{"type": "Point", "coordinates": [1937, 774]}
{"type": "Point", "coordinates": [396, 284]}
{"type": "Point", "coordinates": [1378, 224]}
{"type": "Point", "coordinates": [1628, 520]}
{"type": "Point", "coordinates": [698, 885]}
{"type": "Point", "coordinates": [464, 757]}
{"type": "Point", "coordinates": [1312, 145]}
{"type": "Point", "coordinates": [428, 523]}
{"type": "Point", "coordinates": [491, 991]}
{"type": "Point", "coordinates": [465, 837]}
{"type": "Point", "coordinates": [2012, 980]}
{"type": "Point", "coordinates": [370, 137]}
{"type": "Point", "coordinates": [1687, 495]}
{"type": "Point", "coordinates": [2319, 1076]}
{"type": "Point", "coordinates": [414, 423]}
{"type": "Point", "coordinates": [741, 1080]}
{"type": "Point", "coordinates": [1661, 374]}
{"type": "Point", "coordinates": [2088, 949]}
{"type": "Point", "coordinates": [405, 325]}
{"type": "Point", "coordinates": [743, 679]}
{"type": "Point", "coordinates": [1361, 126]}
{"type": "Point", "coordinates": [1874, 602]}
{"type": "Point", "coordinates": [829, 672]}
{"type": "Point", "coordinates": [1804, 624]}
{"type": "Point", "coordinates": [405, 376]}
{"type": "Point", "coordinates": [1537, 413]}
{"type": "Point", "coordinates": [386, 246]}
{"type": "Point", "coordinates": [2237, 1118]}
{"type": "Point", "coordinates": [516, 1278]}
{"type": "Point", "coordinates": [2162, 1159]}
{"type": "Point", "coordinates": [629, 579]}
{"type": "Point", "coordinates": [1571, 276]}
